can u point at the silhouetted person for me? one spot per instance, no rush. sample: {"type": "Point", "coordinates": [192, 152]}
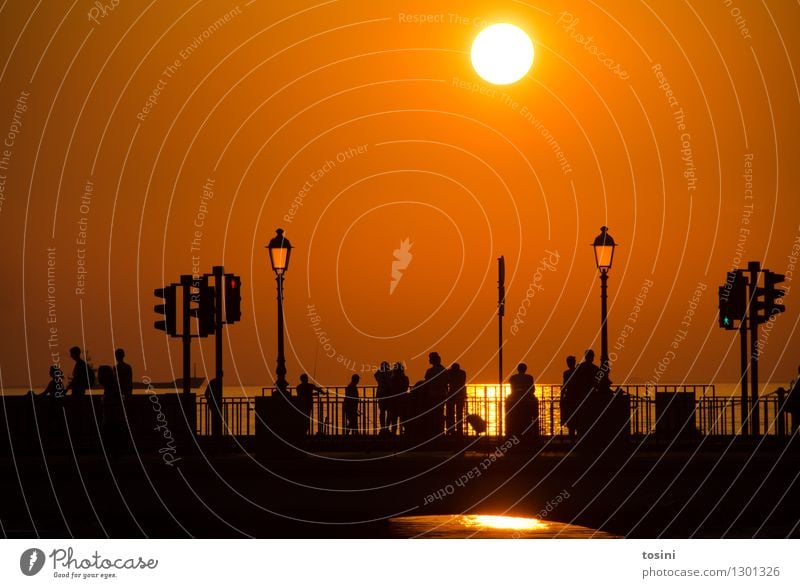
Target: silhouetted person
{"type": "Point", "coordinates": [114, 428]}
{"type": "Point", "coordinates": [350, 406]}
{"type": "Point", "coordinates": [568, 404]}
{"type": "Point", "coordinates": [214, 400]}
{"type": "Point", "coordinates": [123, 373]}
{"type": "Point", "coordinates": [305, 394]}
{"type": "Point", "coordinates": [456, 400]}
{"type": "Point", "coordinates": [383, 394]}
{"type": "Point", "coordinates": [435, 394]}
{"type": "Point", "coordinates": [82, 374]}
{"type": "Point", "coordinates": [520, 403]}
{"type": "Point", "coordinates": [398, 386]}
{"type": "Point", "coordinates": [55, 387]}
{"type": "Point", "coordinates": [589, 386]}
{"type": "Point", "coordinates": [414, 423]}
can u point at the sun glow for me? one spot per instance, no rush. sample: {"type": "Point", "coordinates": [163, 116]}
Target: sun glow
{"type": "Point", "coordinates": [502, 522]}
{"type": "Point", "coordinates": [502, 53]}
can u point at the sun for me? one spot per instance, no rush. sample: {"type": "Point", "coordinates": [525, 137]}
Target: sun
{"type": "Point", "coordinates": [502, 53]}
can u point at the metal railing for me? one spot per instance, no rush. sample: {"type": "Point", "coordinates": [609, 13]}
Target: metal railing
{"type": "Point", "coordinates": [712, 415]}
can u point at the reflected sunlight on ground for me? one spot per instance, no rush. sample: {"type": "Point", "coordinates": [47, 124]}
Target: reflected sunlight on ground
{"type": "Point", "coordinates": [489, 527]}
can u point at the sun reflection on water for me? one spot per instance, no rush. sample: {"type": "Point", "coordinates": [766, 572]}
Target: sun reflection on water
{"type": "Point", "coordinates": [503, 522]}
{"type": "Point", "coordinates": [487, 527]}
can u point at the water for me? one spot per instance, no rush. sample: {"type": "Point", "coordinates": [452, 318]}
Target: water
{"type": "Point", "coordinates": [488, 527]}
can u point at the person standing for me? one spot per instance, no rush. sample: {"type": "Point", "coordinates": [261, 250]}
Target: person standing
{"type": "Point", "coordinates": [518, 410]}
{"type": "Point", "coordinates": [398, 387]}
{"type": "Point", "coordinates": [350, 406]}
{"type": "Point", "coordinates": [382, 394]}
{"type": "Point", "coordinates": [585, 391]}
{"type": "Point", "coordinates": [123, 374]}
{"type": "Point", "coordinates": [567, 407]}
{"type": "Point", "coordinates": [82, 375]}
{"type": "Point", "coordinates": [435, 394]}
{"type": "Point", "coordinates": [305, 395]}
{"type": "Point", "coordinates": [456, 400]}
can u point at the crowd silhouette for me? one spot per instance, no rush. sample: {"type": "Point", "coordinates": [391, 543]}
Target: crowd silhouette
{"type": "Point", "coordinates": [434, 406]}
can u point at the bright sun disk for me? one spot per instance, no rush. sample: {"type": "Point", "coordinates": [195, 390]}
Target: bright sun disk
{"type": "Point", "coordinates": [502, 53]}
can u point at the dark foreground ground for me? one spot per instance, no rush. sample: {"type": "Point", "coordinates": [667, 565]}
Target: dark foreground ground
{"type": "Point", "coordinates": [728, 489]}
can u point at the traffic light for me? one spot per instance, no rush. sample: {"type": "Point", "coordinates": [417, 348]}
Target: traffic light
{"type": "Point", "coordinates": [206, 317]}
{"type": "Point", "coordinates": [771, 294]}
{"type": "Point", "coordinates": [233, 298]}
{"type": "Point", "coordinates": [168, 309]}
{"type": "Point", "coordinates": [732, 300]}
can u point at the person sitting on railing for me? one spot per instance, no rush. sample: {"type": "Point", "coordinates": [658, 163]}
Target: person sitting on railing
{"type": "Point", "coordinates": [350, 406]}
{"type": "Point", "coordinates": [305, 394]}
{"type": "Point", "coordinates": [55, 388]}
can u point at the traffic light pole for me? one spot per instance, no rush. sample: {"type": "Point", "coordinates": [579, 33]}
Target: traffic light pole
{"type": "Point", "coordinates": [186, 333]}
{"type": "Point", "coordinates": [218, 271]}
{"type": "Point", "coordinates": [743, 376]}
{"type": "Point", "coordinates": [755, 268]}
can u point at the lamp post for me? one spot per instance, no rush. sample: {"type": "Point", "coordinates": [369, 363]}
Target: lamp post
{"type": "Point", "coordinates": [279, 252]}
{"type": "Point", "coordinates": [603, 256]}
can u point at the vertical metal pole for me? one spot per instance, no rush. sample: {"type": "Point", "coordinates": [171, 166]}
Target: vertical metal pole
{"type": "Point", "coordinates": [743, 377]}
{"type": "Point", "coordinates": [281, 383]}
{"type": "Point", "coordinates": [501, 310]}
{"type": "Point", "coordinates": [219, 284]}
{"type": "Point", "coordinates": [186, 335]}
{"type": "Point", "coordinates": [603, 320]}
{"type": "Point", "coordinates": [755, 268]}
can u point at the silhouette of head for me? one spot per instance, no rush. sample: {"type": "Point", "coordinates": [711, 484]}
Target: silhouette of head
{"type": "Point", "coordinates": [119, 354]}
{"type": "Point", "coordinates": [434, 358]}
{"type": "Point", "coordinates": [75, 352]}
{"type": "Point", "coordinates": [385, 366]}
{"type": "Point", "coordinates": [522, 368]}
{"type": "Point", "coordinates": [398, 366]}
{"type": "Point", "coordinates": [304, 378]}
{"type": "Point", "coordinates": [105, 375]}
{"type": "Point", "coordinates": [571, 361]}
{"type": "Point", "coordinates": [589, 355]}
{"type": "Point", "coordinates": [355, 379]}
{"type": "Point", "coordinates": [53, 371]}
{"type": "Point", "coordinates": [455, 367]}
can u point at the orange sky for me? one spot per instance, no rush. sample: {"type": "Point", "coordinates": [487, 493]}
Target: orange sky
{"type": "Point", "coordinates": [355, 126]}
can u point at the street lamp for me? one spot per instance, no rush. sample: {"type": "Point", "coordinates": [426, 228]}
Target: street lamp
{"type": "Point", "coordinates": [279, 252]}
{"type": "Point", "coordinates": [603, 256]}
